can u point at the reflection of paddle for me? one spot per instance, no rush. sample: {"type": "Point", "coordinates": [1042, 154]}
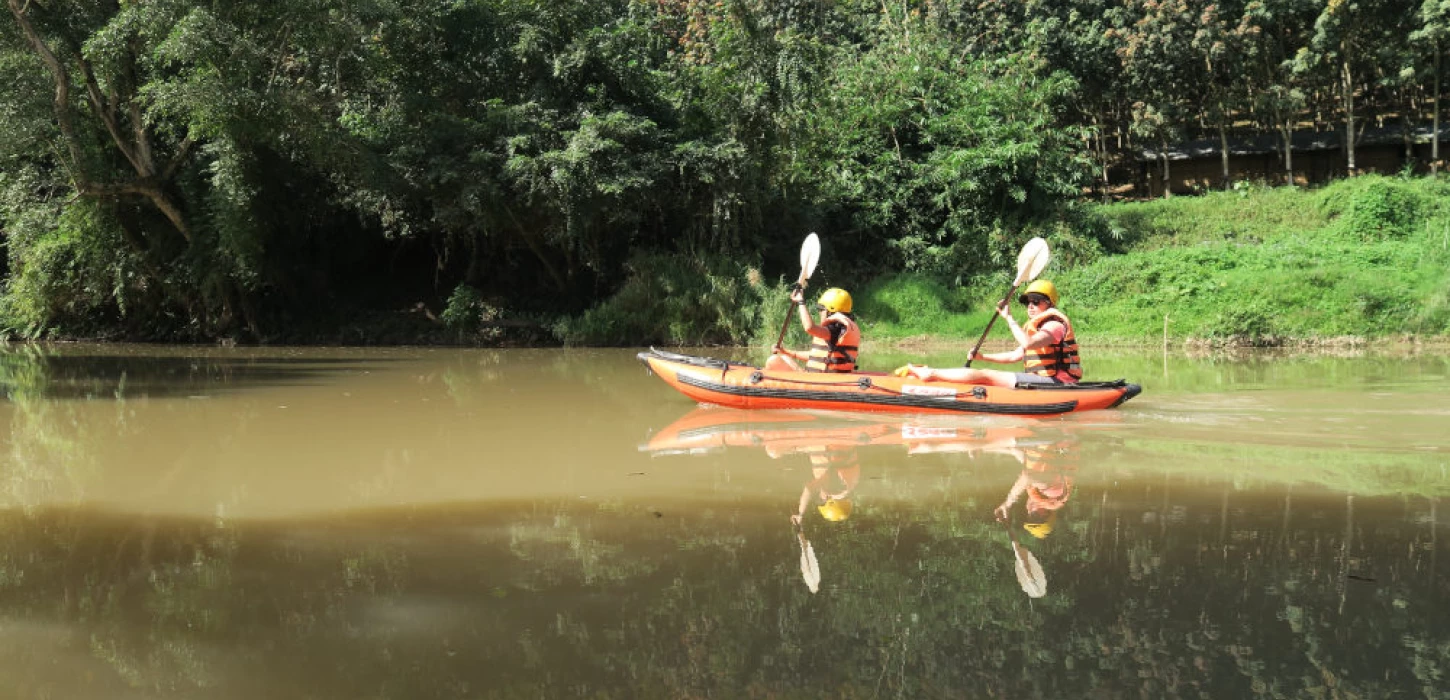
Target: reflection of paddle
{"type": "Point", "coordinates": [1029, 572]}
{"type": "Point", "coordinates": [810, 569]}
{"type": "Point", "coordinates": [810, 253]}
{"type": "Point", "coordinates": [1030, 261]}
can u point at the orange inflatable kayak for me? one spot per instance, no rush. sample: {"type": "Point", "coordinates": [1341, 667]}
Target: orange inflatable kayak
{"type": "Point", "coordinates": [738, 385]}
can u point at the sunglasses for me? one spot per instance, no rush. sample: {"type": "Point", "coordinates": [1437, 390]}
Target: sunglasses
{"type": "Point", "coordinates": [1030, 299]}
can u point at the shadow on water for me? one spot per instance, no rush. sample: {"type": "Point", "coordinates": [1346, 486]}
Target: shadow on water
{"type": "Point", "coordinates": [100, 373]}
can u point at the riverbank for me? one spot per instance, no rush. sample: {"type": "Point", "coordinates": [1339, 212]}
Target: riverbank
{"type": "Point", "coordinates": [1361, 261]}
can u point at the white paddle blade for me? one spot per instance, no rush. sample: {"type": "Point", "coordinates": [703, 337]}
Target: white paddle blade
{"type": "Point", "coordinates": [1031, 260]}
{"type": "Point", "coordinates": [810, 255]}
{"type": "Point", "coordinates": [810, 568]}
{"type": "Point", "coordinates": [1030, 576]}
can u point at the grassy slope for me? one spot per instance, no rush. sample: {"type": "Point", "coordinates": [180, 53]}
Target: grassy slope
{"type": "Point", "coordinates": [1365, 257]}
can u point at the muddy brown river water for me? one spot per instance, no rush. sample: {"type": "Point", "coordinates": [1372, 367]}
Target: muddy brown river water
{"type": "Point", "coordinates": [426, 523]}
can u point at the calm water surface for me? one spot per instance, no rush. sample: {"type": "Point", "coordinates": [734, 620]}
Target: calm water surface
{"type": "Point", "coordinates": [205, 523]}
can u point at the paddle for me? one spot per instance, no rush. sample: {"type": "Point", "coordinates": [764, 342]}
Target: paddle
{"type": "Point", "coordinates": [1030, 261]}
{"type": "Point", "coordinates": [810, 253]}
{"type": "Point", "coordinates": [1029, 572]}
{"type": "Point", "coordinates": [810, 569]}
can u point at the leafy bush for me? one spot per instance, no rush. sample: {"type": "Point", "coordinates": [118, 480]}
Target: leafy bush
{"type": "Point", "coordinates": [462, 313]}
{"type": "Point", "coordinates": [1251, 323]}
{"type": "Point", "coordinates": [1433, 316]}
{"type": "Point", "coordinates": [1374, 208]}
{"type": "Point", "coordinates": [469, 317]}
{"type": "Point", "coordinates": [675, 299]}
{"type": "Point", "coordinates": [68, 271]}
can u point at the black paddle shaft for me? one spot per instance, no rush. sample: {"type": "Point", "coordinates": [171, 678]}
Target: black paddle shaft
{"type": "Point", "coordinates": [1005, 298]}
{"type": "Point", "coordinates": [786, 324]}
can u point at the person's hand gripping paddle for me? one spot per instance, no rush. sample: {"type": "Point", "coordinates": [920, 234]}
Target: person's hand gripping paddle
{"type": "Point", "coordinates": [810, 254]}
{"type": "Point", "coordinates": [1030, 261]}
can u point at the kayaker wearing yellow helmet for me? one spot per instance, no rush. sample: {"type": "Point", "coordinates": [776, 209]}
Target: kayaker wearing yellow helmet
{"type": "Point", "coordinates": [1045, 345]}
{"type": "Point", "coordinates": [835, 339]}
{"type": "Point", "coordinates": [1048, 472]}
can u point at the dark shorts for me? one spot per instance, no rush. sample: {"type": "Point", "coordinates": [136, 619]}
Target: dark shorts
{"type": "Point", "coordinates": [1025, 378]}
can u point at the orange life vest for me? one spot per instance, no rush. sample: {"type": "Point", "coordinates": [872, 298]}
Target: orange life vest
{"type": "Point", "coordinates": [840, 357]}
{"type": "Point", "coordinates": [1050, 472]}
{"type": "Point", "coordinates": [1056, 358]}
{"type": "Point", "coordinates": [835, 457]}
{"type": "Point", "coordinates": [843, 464]}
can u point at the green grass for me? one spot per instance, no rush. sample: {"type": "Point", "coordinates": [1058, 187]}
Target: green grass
{"type": "Point", "coordinates": [905, 305]}
{"type": "Point", "coordinates": [1363, 258]}
{"type": "Point", "coordinates": [1366, 258]}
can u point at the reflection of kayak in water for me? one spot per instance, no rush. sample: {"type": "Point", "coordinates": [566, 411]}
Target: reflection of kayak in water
{"type": "Point", "coordinates": [784, 432]}
{"type": "Point", "coordinates": [737, 385]}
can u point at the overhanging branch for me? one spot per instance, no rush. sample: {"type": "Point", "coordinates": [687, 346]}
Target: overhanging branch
{"type": "Point", "coordinates": [63, 115]}
{"type": "Point", "coordinates": [147, 185]}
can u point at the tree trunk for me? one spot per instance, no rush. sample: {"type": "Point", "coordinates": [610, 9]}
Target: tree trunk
{"type": "Point", "coordinates": [1347, 85]}
{"type": "Point", "coordinates": [1167, 181]}
{"type": "Point", "coordinates": [1289, 150]}
{"type": "Point", "coordinates": [150, 182]}
{"type": "Point", "coordinates": [1435, 132]}
{"type": "Point", "coordinates": [1407, 138]}
{"type": "Point", "coordinates": [1223, 151]}
{"type": "Point", "coordinates": [1102, 148]}
{"type": "Point", "coordinates": [534, 247]}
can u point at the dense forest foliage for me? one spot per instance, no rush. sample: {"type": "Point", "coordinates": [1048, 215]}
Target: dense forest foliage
{"type": "Point", "coordinates": [494, 169]}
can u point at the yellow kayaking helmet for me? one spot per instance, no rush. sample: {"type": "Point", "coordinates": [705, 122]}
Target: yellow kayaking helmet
{"type": "Point", "coordinates": [836, 300]}
{"type": "Point", "coordinates": [835, 509]}
{"type": "Point", "coordinates": [1043, 287]}
{"type": "Point", "coordinates": [1043, 529]}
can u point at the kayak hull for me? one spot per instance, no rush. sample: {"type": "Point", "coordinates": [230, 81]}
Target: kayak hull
{"type": "Point", "coordinates": [781, 433]}
{"type": "Point", "coordinates": [737, 385]}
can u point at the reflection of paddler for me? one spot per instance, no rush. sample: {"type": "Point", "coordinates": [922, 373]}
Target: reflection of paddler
{"type": "Point", "coordinates": [1046, 481]}
{"type": "Point", "coordinates": [834, 474]}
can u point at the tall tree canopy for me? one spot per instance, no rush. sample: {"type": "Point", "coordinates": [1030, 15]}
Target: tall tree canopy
{"type": "Point", "coordinates": [180, 169]}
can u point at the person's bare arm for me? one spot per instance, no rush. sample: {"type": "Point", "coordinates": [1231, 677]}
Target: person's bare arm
{"type": "Point", "coordinates": [1018, 488]}
{"type": "Point", "coordinates": [1041, 338]}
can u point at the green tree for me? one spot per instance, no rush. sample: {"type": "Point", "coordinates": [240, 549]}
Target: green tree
{"type": "Point", "coordinates": [1225, 42]}
{"type": "Point", "coordinates": [1347, 36]}
{"type": "Point", "coordinates": [949, 158]}
{"type": "Point", "coordinates": [1154, 45]}
{"type": "Point", "coordinates": [1074, 36]}
{"type": "Point", "coordinates": [1283, 92]}
{"type": "Point", "coordinates": [174, 124]}
{"type": "Point", "coordinates": [1432, 36]}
